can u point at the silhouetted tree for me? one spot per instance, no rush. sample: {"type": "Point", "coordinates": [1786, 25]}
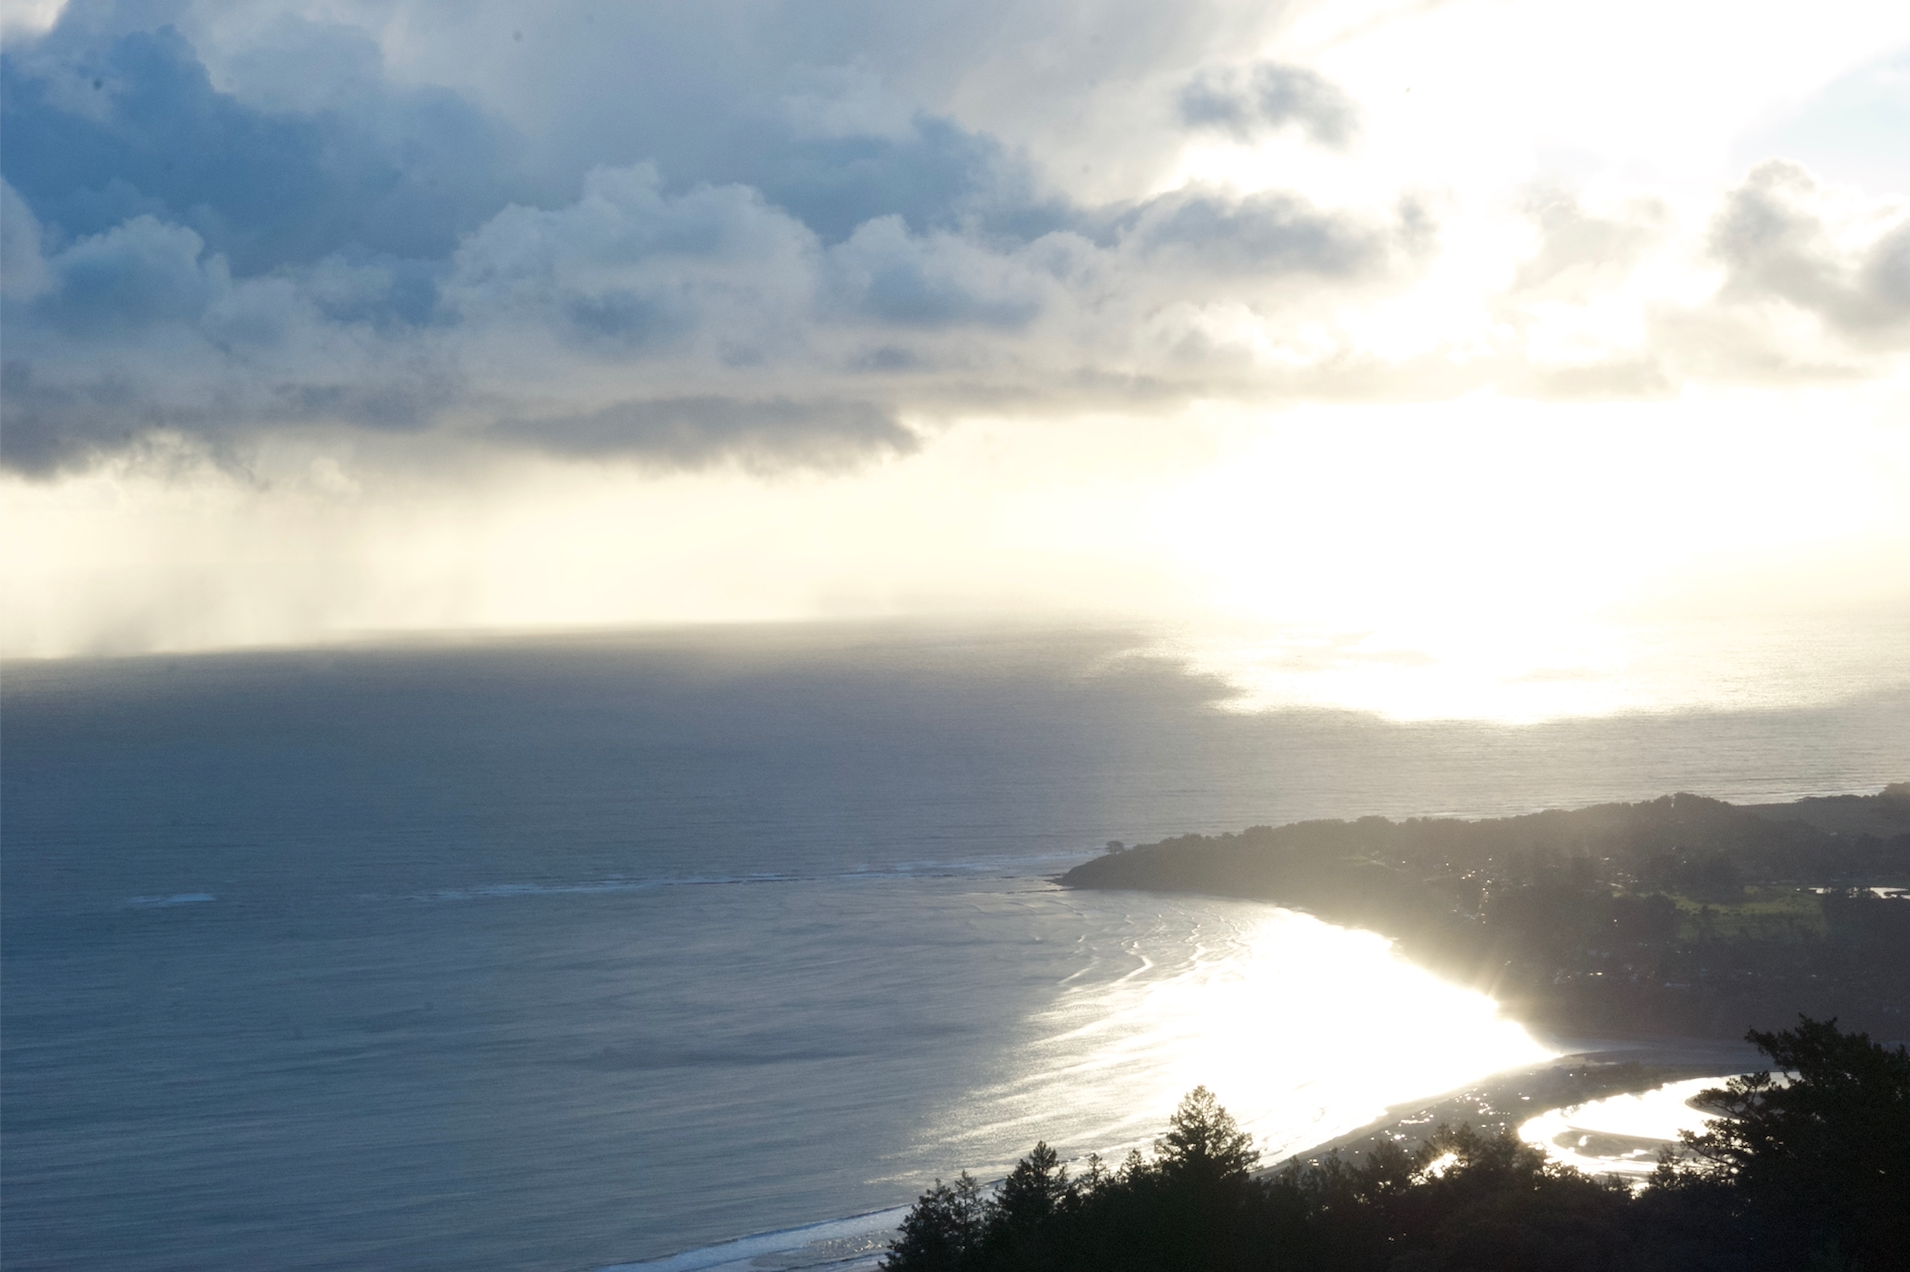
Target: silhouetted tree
{"type": "Point", "coordinates": [1809, 1173]}
{"type": "Point", "coordinates": [946, 1223]}
{"type": "Point", "coordinates": [1204, 1143]}
{"type": "Point", "coordinates": [1035, 1189]}
{"type": "Point", "coordinates": [1021, 1219]}
{"type": "Point", "coordinates": [1828, 1147]}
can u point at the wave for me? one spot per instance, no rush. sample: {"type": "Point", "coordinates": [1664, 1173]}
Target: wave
{"type": "Point", "coordinates": [834, 1243]}
{"type": "Point", "coordinates": [488, 891]}
{"type": "Point", "coordinates": [996, 869]}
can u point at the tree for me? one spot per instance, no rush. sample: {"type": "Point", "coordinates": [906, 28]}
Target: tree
{"type": "Point", "coordinates": [945, 1225]}
{"type": "Point", "coordinates": [1204, 1144]}
{"type": "Point", "coordinates": [1022, 1218]}
{"type": "Point", "coordinates": [1826, 1147]}
{"type": "Point", "coordinates": [1035, 1189]}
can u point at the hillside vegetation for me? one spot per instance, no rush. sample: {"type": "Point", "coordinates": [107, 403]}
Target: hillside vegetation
{"type": "Point", "coordinates": [1681, 915]}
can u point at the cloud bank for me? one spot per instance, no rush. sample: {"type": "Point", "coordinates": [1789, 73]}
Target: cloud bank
{"type": "Point", "coordinates": [784, 234]}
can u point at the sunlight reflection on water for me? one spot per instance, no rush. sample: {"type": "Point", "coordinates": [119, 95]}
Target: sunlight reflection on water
{"type": "Point", "coordinates": [1621, 1135]}
{"type": "Point", "coordinates": [1523, 673]}
{"type": "Point", "coordinates": [1304, 1030]}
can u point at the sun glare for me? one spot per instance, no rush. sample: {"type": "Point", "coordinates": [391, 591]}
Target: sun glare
{"type": "Point", "coordinates": [1624, 1134]}
{"type": "Point", "coordinates": [1304, 1030]}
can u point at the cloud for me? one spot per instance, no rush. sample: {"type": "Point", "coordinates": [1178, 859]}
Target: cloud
{"type": "Point", "coordinates": [1778, 237]}
{"type": "Point", "coordinates": [100, 130]}
{"type": "Point", "coordinates": [1786, 282]}
{"type": "Point", "coordinates": [884, 273]}
{"type": "Point", "coordinates": [762, 434]}
{"type": "Point", "coordinates": [971, 97]}
{"type": "Point", "coordinates": [23, 271]}
{"type": "Point", "coordinates": [140, 274]}
{"type": "Point", "coordinates": [931, 173]}
{"type": "Point", "coordinates": [711, 298]}
{"type": "Point", "coordinates": [667, 235]}
{"type": "Point", "coordinates": [1268, 233]}
{"type": "Point", "coordinates": [307, 244]}
{"type": "Point", "coordinates": [1582, 252]}
{"type": "Point", "coordinates": [631, 269]}
{"type": "Point", "coordinates": [1248, 102]}
{"type": "Point", "coordinates": [140, 331]}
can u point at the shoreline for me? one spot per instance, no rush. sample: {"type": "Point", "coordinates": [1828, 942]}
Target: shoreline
{"type": "Point", "coordinates": [1680, 916]}
{"type": "Point", "coordinates": [1589, 1070]}
{"type": "Point", "coordinates": [1584, 1070]}
{"type": "Point", "coordinates": [849, 1244]}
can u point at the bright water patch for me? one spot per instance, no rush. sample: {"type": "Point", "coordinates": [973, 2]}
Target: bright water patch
{"type": "Point", "coordinates": [1621, 1135]}
{"type": "Point", "coordinates": [1304, 1030]}
{"type": "Point", "coordinates": [1521, 672]}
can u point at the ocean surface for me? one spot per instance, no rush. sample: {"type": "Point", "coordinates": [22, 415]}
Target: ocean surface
{"type": "Point", "coordinates": [562, 953]}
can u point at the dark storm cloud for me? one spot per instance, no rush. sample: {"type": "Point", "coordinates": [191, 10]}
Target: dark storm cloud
{"type": "Point", "coordinates": [100, 131]}
{"type": "Point", "coordinates": [934, 175]}
{"type": "Point", "coordinates": [69, 422]}
{"type": "Point", "coordinates": [885, 274]}
{"type": "Point", "coordinates": [687, 431]}
{"type": "Point", "coordinates": [1252, 101]}
{"type": "Point", "coordinates": [285, 236]}
{"type": "Point", "coordinates": [137, 275]}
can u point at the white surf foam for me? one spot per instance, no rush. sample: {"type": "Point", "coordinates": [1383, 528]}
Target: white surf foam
{"type": "Point", "coordinates": [837, 1243]}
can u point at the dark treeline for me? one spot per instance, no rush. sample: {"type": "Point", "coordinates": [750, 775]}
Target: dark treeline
{"type": "Point", "coordinates": [1680, 915]}
{"type": "Point", "coordinates": [1813, 1174]}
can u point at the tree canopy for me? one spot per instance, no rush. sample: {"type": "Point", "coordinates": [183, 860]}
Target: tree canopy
{"type": "Point", "coordinates": [1203, 1142]}
{"type": "Point", "coordinates": [1824, 1143]}
{"type": "Point", "coordinates": [1808, 1166]}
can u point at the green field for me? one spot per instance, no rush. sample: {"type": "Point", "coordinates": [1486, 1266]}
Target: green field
{"type": "Point", "coordinates": [1763, 913]}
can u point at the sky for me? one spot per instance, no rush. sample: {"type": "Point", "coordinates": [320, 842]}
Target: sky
{"type": "Point", "coordinates": [1451, 330]}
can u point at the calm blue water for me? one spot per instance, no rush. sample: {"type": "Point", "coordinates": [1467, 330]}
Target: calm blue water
{"type": "Point", "coordinates": [562, 953]}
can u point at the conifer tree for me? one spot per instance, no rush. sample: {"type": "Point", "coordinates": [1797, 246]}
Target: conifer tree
{"type": "Point", "coordinates": [1204, 1143]}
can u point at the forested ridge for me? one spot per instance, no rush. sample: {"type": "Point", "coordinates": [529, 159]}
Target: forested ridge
{"type": "Point", "coordinates": [1680, 915]}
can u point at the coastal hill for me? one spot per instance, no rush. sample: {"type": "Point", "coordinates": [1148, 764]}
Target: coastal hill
{"type": "Point", "coordinates": [1681, 915]}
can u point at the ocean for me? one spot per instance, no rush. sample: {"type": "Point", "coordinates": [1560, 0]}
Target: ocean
{"type": "Point", "coordinates": [564, 952]}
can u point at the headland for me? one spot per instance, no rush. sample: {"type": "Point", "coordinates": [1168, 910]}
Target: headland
{"type": "Point", "coordinates": [1679, 917]}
